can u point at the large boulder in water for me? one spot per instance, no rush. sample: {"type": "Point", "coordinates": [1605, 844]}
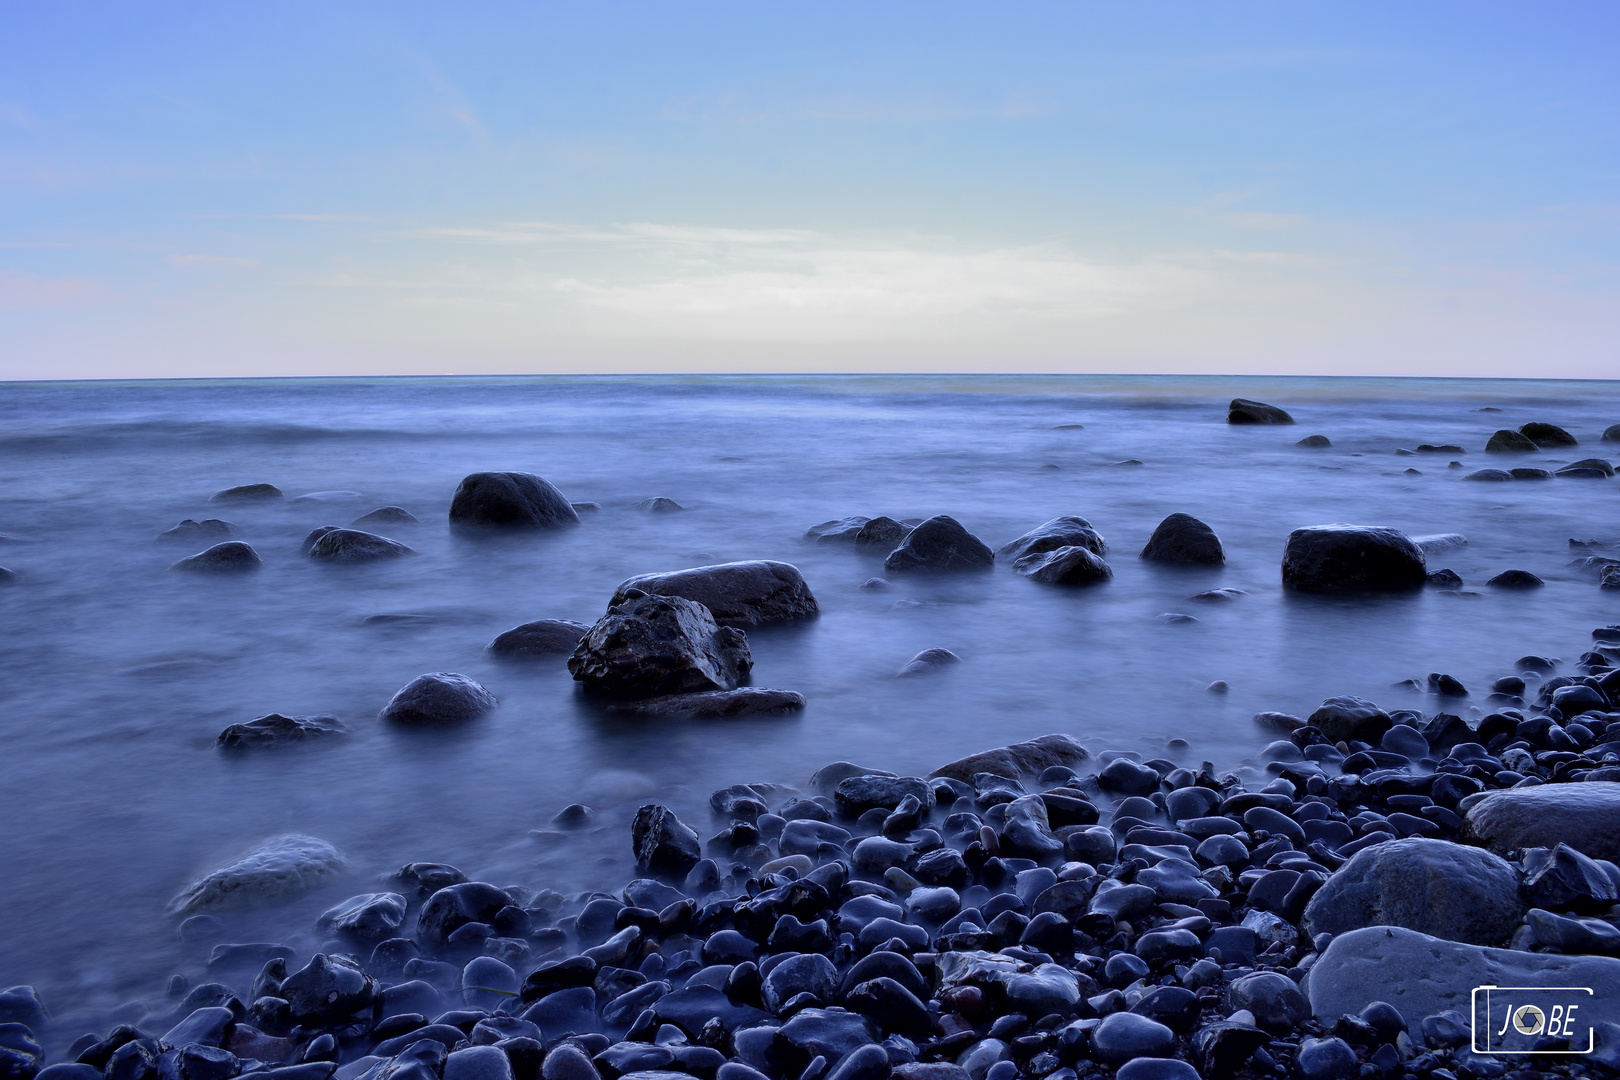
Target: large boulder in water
{"type": "Point", "coordinates": [1547, 434]}
{"type": "Point", "coordinates": [1244, 411]}
{"type": "Point", "coordinates": [352, 545]}
{"type": "Point", "coordinates": [940, 544]}
{"type": "Point", "coordinates": [1015, 759]}
{"type": "Point", "coordinates": [231, 557]}
{"type": "Point", "coordinates": [1183, 540]}
{"type": "Point", "coordinates": [736, 593]}
{"type": "Point", "coordinates": [1586, 816]}
{"type": "Point", "coordinates": [277, 867]}
{"type": "Point", "coordinates": [1435, 887]}
{"type": "Point", "coordinates": [1352, 558]}
{"type": "Point", "coordinates": [545, 637]}
{"type": "Point", "coordinates": [648, 646]}
{"type": "Point", "coordinates": [1065, 566]}
{"type": "Point", "coordinates": [1060, 532]}
{"type": "Point", "coordinates": [1508, 441]}
{"type": "Point", "coordinates": [440, 697]}
{"type": "Point", "coordinates": [510, 500]}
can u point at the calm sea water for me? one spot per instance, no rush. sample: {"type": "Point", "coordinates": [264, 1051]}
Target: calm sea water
{"type": "Point", "coordinates": [116, 676]}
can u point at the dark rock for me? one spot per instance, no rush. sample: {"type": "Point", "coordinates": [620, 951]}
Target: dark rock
{"type": "Point", "coordinates": [370, 916]}
{"type": "Point", "coordinates": [352, 545]}
{"type": "Point", "coordinates": [7, 576]}
{"type": "Point", "coordinates": [1017, 759]}
{"type": "Point", "coordinates": [455, 906]}
{"type": "Point", "coordinates": [510, 500]}
{"type": "Point", "coordinates": [439, 697]}
{"type": "Point", "coordinates": [655, 645]}
{"type": "Point", "coordinates": [1244, 411]}
{"type": "Point", "coordinates": [195, 531]}
{"type": "Point", "coordinates": [1126, 1035]}
{"type": "Point", "coordinates": [1351, 558]}
{"type": "Point", "coordinates": [840, 529]}
{"type": "Point", "coordinates": [829, 1033]}
{"type": "Point", "coordinates": [1587, 468]}
{"type": "Point", "coordinates": [1435, 887]}
{"type": "Point", "coordinates": [882, 532]}
{"type": "Point", "coordinates": [857, 794]}
{"type": "Point", "coordinates": [1183, 540]}
{"type": "Point", "coordinates": [940, 544]}
{"type": "Point", "coordinates": [659, 505]}
{"type": "Point", "coordinates": [1573, 935]}
{"type": "Point", "coordinates": [21, 1005]}
{"type": "Point", "coordinates": [717, 704]}
{"type": "Point", "coordinates": [1315, 442]}
{"type": "Point", "coordinates": [278, 730]}
{"type": "Point", "coordinates": [1530, 474]}
{"type": "Point", "coordinates": [327, 989]}
{"type": "Point", "coordinates": [1509, 442]}
{"type": "Point", "coordinates": [1060, 532]}
{"type": "Point", "coordinates": [1327, 1059]}
{"type": "Point", "coordinates": [1489, 475]}
{"type": "Point", "coordinates": [1565, 880]}
{"type": "Point", "coordinates": [805, 973]}
{"type": "Point", "coordinates": [1444, 579]}
{"type": "Point", "coordinates": [1065, 566]}
{"type": "Point", "coordinates": [1585, 816]}
{"type": "Point", "coordinates": [247, 493]}
{"type": "Point", "coordinates": [1341, 719]}
{"type": "Point", "coordinates": [1128, 777]}
{"type": "Point", "coordinates": [738, 594]}
{"type": "Point", "coordinates": [927, 661]}
{"type": "Point", "coordinates": [1516, 579]}
{"type": "Point", "coordinates": [544, 637]}
{"type": "Point", "coordinates": [1611, 433]}
{"type": "Point", "coordinates": [663, 844]}
{"type": "Point", "coordinates": [478, 1063]}
{"type": "Point", "coordinates": [231, 557]}
{"type": "Point", "coordinates": [1547, 434]}
{"type": "Point", "coordinates": [1276, 1001]}
{"type": "Point", "coordinates": [385, 515]}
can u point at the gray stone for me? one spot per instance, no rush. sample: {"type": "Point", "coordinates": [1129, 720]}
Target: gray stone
{"type": "Point", "coordinates": [1275, 1001]}
{"type": "Point", "coordinates": [1064, 566]}
{"type": "Point", "coordinates": [1183, 540]}
{"type": "Point", "coordinates": [231, 557]}
{"type": "Point", "coordinates": [805, 973]}
{"type": "Point", "coordinates": [1017, 759]}
{"type": "Point", "coordinates": [1126, 1035]}
{"type": "Point", "coordinates": [385, 515]}
{"type": "Point", "coordinates": [1351, 559]}
{"type": "Point", "coordinates": [650, 646]}
{"type": "Point", "coordinates": [1327, 1059]}
{"type": "Point", "coordinates": [248, 493]}
{"type": "Point", "coordinates": [1544, 434]}
{"type": "Point", "coordinates": [1585, 816]}
{"type": "Point", "coordinates": [717, 704]}
{"type": "Point", "coordinates": [937, 545]}
{"type": "Point", "coordinates": [856, 795]}
{"type": "Point", "coordinates": [353, 545]}
{"type": "Point", "coordinates": [277, 730]}
{"type": "Point", "coordinates": [544, 637]}
{"type": "Point", "coordinates": [370, 916]}
{"type": "Point", "coordinates": [1342, 719]}
{"type": "Point", "coordinates": [193, 531]}
{"type": "Point", "coordinates": [1507, 441]}
{"type": "Point", "coordinates": [278, 867]}
{"type": "Point", "coordinates": [882, 532]}
{"type": "Point", "coordinates": [1060, 532]}
{"type": "Point", "coordinates": [929, 660]}
{"type": "Point", "coordinates": [454, 906]}
{"type": "Point", "coordinates": [1573, 935]}
{"type": "Point", "coordinates": [478, 1063]}
{"type": "Point", "coordinates": [510, 500]}
{"type": "Point", "coordinates": [439, 697]}
{"type": "Point", "coordinates": [739, 594]}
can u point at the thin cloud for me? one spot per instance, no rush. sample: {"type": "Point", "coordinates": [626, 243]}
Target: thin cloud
{"type": "Point", "coordinates": [29, 292]}
{"type": "Point", "coordinates": [232, 261]}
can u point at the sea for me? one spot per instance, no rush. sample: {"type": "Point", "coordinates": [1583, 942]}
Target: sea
{"type": "Point", "coordinates": [117, 675]}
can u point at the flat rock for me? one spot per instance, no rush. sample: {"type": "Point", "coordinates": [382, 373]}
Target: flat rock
{"type": "Point", "coordinates": [385, 515]}
{"type": "Point", "coordinates": [353, 545]}
{"type": "Point", "coordinates": [1060, 532]}
{"type": "Point", "coordinates": [940, 544]}
{"type": "Point", "coordinates": [717, 704]}
{"type": "Point", "coordinates": [277, 730]}
{"type": "Point", "coordinates": [1585, 816]}
{"type": "Point", "coordinates": [544, 637]}
{"type": "Point", "coordinates": [1017, 759]}
{"type": "Point", "coordinates": [740, 594]}
{"type": "Point", "coordinates": [231, 557]}
{"type": "Point", "coordinates": [1065, 566]}
{"type": "Point", "coordinates": [1183, 540]}
{"type": "Point", "coordinates": [510, 500]}
{"type": "Point", "coordinates": [1244, 411]}
{"type": "Point", "coordinates": [1351, 558]}
{"type": "Point", "coordinates": [439, 697]}
{"type": "Point", "coordinates": [278, 867]}
{"type": "Point", "coordinates": [245, 493]}
{"type": "Point", "coordinates": [840, 530]}
{"type": "Point", "coordinates": [193, 531]}
{"type": "Point", "coordinates": [651, 646]}
{"type": "Point", "coordinates": [1317, 442]}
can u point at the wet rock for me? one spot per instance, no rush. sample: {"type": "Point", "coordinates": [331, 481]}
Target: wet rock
{"type": "Point", "coordinates": [1572, 935]}
{"type": "Point", "coordinates": [352, 545]}
{"type": "Point", "coordinates": [1530, 474]}
{"type": "Point", "coordinates": [21, 1005]}
{"type": "Point", "coordinates": [193, 531]}
{"type": "Point", "coordinates": [1126, 1035]}
{"type": "Point", "coordinates": [1585, 816]}
{"type": "Point", "coordinates": [1128, 777]}
{"type": "Point", "coordinates": [1444, 579]}
{"type": "Point", "coordinates": [278, 867]}
{"type": "Point", "coordinates": [890, 1006]}
{"type": "Point", "coordinates": [1547, 434]}
{"type": "Point", "coordinates": [246, 493]}
{"type": "Point", "coordinates": [882, 532]}
{"type": "Point", "coordinates": [1223, 1047]}
{"type": "Point", "coordinates": [828, 1033]}
{"type": "Point", "coordinates": [231, 557]}
{"type": "Point", "coordinates": [478, 1063]}
{"type": "Point", "coordinates": [1588, 469]}
{"type": "Point", "coordinates": [1017, 759]}
{"type": "Point", "coordinates": [455, 906]}
{"type": "Point", "coordinates": [654, 645]}
{"type": "Point", "coordinates": [1564, 879]}
{"type": "Point", "coordinates": [1516, 579]}
{"type": "Point", "coordinates": [510, 500]}
{"type": "Point", "coordinates": [1489, 475]}
{"type": "Point", "coordinates": [439, 697]}
{"type": "Point", "coordinates": [805, 973]}
{"type": "Point", "coordinates": [1351, 558]}
{"type": "Point", "coordinates": [1327, 1059]}
{"type": "Point", "coordinates": [1611, 433]}
{"type": "Point", "coordinates": [1244, 411]}
{"type": "Point", "coordinates": [370, 916]}
{"type": "Point", "coordinates": [487, 983]}
{"type": "Point", "coordinates": [1027, 832]}
{"type": "Point", "coordinates": [858, 794]}
{"type": "Point", "coordinates": [1065, 566]}
{"type": "Point", "coordinates": [1319, 442]}
{"type": "Point", "coordinates": [738, 594]}
{"type": "Point", "coordinates": [1183, 540]}
{"type": "Point", "coordinates": [1509, 442]}
{"type": "Point", "coordinates": [1435, 887]}
{"type": "Point", "coordinates": [718, 704]}
{"type": "Point", "coordinates": [385, 515]}
{"type": "Point", "coordinates": [1060, 532]}
{"type": "Point", "coordinates": [659, 505]}
{"type": "Point", "coordinates": [1341, 719]}
{"type": "Point", "coordinates": [927, 661]}
{"type": "Point", "coordinates": [839, 530]}
{"type": "Point", "coordinates": [937, 545]}
{"type": "Point", "coordinates": [278, 730]}
{"type": "Point", "coordinates": [544, 637]}
{"type": "Point", "coordinates": [663, 844]}
{"type": "Point", "coordinates": [327, 989]}
{"type": "Point", "coordinates": [1275, 1001]}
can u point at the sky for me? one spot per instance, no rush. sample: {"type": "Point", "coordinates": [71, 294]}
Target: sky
{"type": "Point", "coordinates": [290, 188]}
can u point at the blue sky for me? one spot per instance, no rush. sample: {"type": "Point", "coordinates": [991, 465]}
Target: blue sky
{"type": "Point", "coordinates": [292, 188]}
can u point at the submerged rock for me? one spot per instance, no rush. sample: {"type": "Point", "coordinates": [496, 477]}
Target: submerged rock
{"type": "Point", "coordinates": [231, 557]}
{"type": "Point", "coordinates": [1319, 442]}
{"type": "Point", "coordinates": [369, 916]}
{"type": "Point", "coordinates": [1016, 759]}
{"type": "Point", "coordinates": [544, 637]}
{"type": "Point", "coordinates": [940, 544]}
{"type": "Point", "coordinates": [277, 730]}
{"type": "Point", "coordinates": [352, 545]}
{"type": "Point", "coordinates": [659, 505]}
{"type": "Point", "coordinates": [511, 500]}
{"type": "Point", "coordinates": [1060, 532]}
{"type": "Point", "coordinates": [928, 660]}
{"type": "Point", "coordinates": [1064, 566]}
{"type": "Point", "coordinates": [1547, 434]}
{"type": "Point", "coordinates": [247, 493]}
{"type": "Point", "coordinates": [1182, 539]}
{"type": "Point", "coordinates": [718, 704]}
{"type": "Point", "coordinates": [1585, 816]}
{"type": "Point", "coordinates": [738, 594]}
{"type": "Point", "coordinates": [385, 515]}
{"type": "Point", "coordinates": [1244, 411]}
{"type": "Point", "coordinates": [277, 867]}
{"type": "Point", "coordinates": [1509, 442]}
{"type": "Point", "coordinates": [843, 530]}
{"type": "Point", "coordinates": [882, 532]}
{"type": "Point", "coordinates": [1591, 468]}
{"type": "Point", "coordinates": [193, 531]}
{"type": "Point", "coordinates": [439, 697]}
{"type": "Point", "coordinates": [1611, 433]}
{"type": "Point", "coordinates": [1351, 558]}
{"type": "Point", "coordinates": [655, 645]}
{"type": "Point", "coordinates": [1516, 579]}
{"type": "Point", "coordinates": [1494, 476]}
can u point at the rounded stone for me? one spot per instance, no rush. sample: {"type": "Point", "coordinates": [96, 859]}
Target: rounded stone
{"type": "Point", "coordinates": [1126, 1035]}
{"type": "Point", "coordinates": [440, 697]}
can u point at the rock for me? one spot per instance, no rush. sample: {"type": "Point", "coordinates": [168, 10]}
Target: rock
{"type": "Point", "coordinates": [1564, 879]}
{"type": "Point", "coordinates": [385, 515]}
{"type": "Point", "coordinates": [1591, 468]}
{"type": "Point", "coordinates": [478, 1063]}
{"type": "Point", "coordinates": [937, 545]}
{"type": "Point", "coordinates": [1573, 935]}
{"type": "Point", "coordinates": [369, 916]}
{"type": "Point", "coordinates": [805, 973]}
{"type": "Point", "coordinates": [231, 557]}
{"type": "Point", "coordinates": [1244, 411]}
{"type": "Point", "coordinates": [487, 983]}
{"type": "Point", "coordinates": [1547, 434]}
{"type": "Point", "coordinates": [1516, 579]}
{"type": "Point", "coordinates": [1126, 1035]}
{"type": "Point", "coordinates": [1489, 475]}
{"type": "Point", "coordinates": [277, 867]}
{"type": "Point", "coordinates": [888, 1005]}
{"type": "Point", "coordinates": [1530, 474]}
{"type": "Point", "coordinates": [352, 545]}
{"type": "Point", "coordinates": [327, 989]}
{"type": "Point", "coordinates": [1017, 759]}
{"type": "Point", "coordinates": [828, 1033]}
{"type": "Point", "coordinates": [1315, 442]}
{"type": "Point", "coordinates": [1585, 816]}
{"type": "Point", "coordinates": [1065, 566]}
{"type": "Point", "coordinates": [455, 906]}
{"type": "Point", "coordinates": [662, 843]}
{"type": "Point", "coordinates": [882, 532]}
{"type": "Point", "coordinates": [1341, 719]}
{"type": "Point", "coordinates": [195, 531]}
{"type": "Point", "coordinates": [655, 645]}
{"type": "Point", "coordinates": [839, 529]}
{"type": "Point", "coordinates": [739, 594]}
{"type": "Point", "coordinates": [1351, 558]}
{"type": "Point", "coordinates": [693, 1006]}
{"type": "Point", "coordinates": [856, 795]}
{"type": "Point", "coordinates": [7, 576]}
{"type": "Point", "coordinates": [21, 1005]}
{"type": "Point", "coordinates": [1444, 578]}
{"type": "Point", "coordinates": [927, 661]}
{"type": "Point", "coordinates": [510, 500]}
{"type": "Point", "coordinates": [278, 730]}
{"type": "Point", "coordinates": [544, 637]}
{"type": "Point", "coordinates": [1183, 540]}
{"type": "Point", "coordinates": [1128, 777]}
{"type": "Point", "coordinates": [1327, 1059]}
{"type": "Point", "coordinates": [658, 505]}
{"type": "Point", "coordinates": [1611, 433]}
{"type": "Point", "coordinates": [1509, 442]}
{"type": "Point", "coordinates": [1276, 1002]}
{"type": "Point", "coordinates": [1060, 532]}
{"type": "Point", "coordinates": [1422, 976]}
{"type": "Point", "coordinates": [247, 493]}
{"type": "Point", "coordinates": [1435, 887]}
{"type": "Point", "coordinates": [717, 704]}
{"type": "Point", "coordinates": [439, 697]}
